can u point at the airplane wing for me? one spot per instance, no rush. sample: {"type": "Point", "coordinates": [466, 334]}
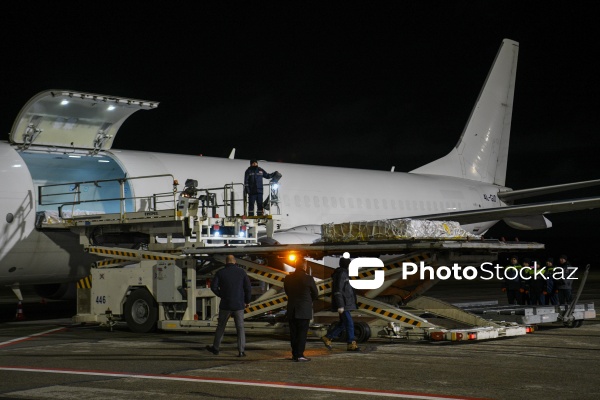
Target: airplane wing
{"type": "Point", "coordinates": [508, 212]}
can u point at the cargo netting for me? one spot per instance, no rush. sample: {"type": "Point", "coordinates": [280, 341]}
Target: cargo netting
{"type": "Point", "coordinates": [396, 229]}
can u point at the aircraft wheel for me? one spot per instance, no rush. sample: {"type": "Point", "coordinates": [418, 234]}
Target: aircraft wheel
{"type": "Point", "coordinates": [141, 311]}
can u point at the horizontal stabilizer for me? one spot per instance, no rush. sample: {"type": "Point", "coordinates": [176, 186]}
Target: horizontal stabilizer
{"type": "Point", "coordinates": [543, 190]}
{"type": "Point", "coordinates": [496, 214]}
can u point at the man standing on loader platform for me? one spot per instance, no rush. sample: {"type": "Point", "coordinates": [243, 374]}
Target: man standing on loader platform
{"type": "Point", "coordinates": [253, 187]}
{"type": "Point", "coordinates": [232, 285]}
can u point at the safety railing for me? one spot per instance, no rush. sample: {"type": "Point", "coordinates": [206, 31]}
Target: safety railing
{"type": "Point", "coordinates": [98, 195]}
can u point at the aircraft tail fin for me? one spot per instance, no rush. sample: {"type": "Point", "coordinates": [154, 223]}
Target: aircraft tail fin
{"type": "Point", "coordinates": [482, 151]}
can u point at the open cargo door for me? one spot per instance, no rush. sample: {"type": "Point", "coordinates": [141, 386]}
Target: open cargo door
{"type": "Point", "coordinates": [61, 118]}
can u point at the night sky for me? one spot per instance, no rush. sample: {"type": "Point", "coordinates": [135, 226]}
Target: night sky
{"type": "Point", "coordinates": [356, 84]}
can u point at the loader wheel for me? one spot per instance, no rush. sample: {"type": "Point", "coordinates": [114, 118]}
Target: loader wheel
{"type": "Point", "coordinates": [362, 331]}
{"type": "Point", "coordinates": [576, 323]}
{"type": "Point", "coordinates": [342, 337]}
{"type": "Point", "coordinates": [141, 311]}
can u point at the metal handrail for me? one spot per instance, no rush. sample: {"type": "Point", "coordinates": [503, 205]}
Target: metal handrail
{"type": "Point", "coordinates": [76, 191]}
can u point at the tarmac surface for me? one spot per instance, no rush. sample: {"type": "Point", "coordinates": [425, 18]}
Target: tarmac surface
{"type": "Point", "coordinates": [45, 356]}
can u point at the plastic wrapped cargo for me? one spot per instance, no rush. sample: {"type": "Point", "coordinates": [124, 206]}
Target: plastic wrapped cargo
{"type": "Point", "coordinates": [396, 229]}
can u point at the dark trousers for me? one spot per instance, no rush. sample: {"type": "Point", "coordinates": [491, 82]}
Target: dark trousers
{"type": "Point", "coordinates": [537, 299]}
{"type": "Point", "coordinates": [347, 323]}
{"type": "Point", "coordinates": [238, 318]}
{"type": "Point", "coordinates": [298, 333]}
{"type": "Point", "coordinates": [552, 299]}
{"type": "Point", "coordinates": [258, 199]}
{"type": "Point", "coordinates": [514, 296]}
{"type": "Point", "coordinates": [564, 296]}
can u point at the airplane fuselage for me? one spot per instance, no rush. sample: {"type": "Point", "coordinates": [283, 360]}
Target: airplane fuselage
{"type": "Point", "coordinates": [309, 196]}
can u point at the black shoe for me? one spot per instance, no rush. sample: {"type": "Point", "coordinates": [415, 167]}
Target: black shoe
{"type": "Point", "coordinates": [212, 350]}
{"type": "Point", "coordinates": [302, 359]}
{"type": "Point", "coordinates": [241, 354]}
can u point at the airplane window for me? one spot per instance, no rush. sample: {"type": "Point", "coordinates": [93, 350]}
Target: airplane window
{"type": "Point", "coordinates": [297, 201]}
{"type": "Point", "coordinates": [408, 205]}
{"type": "Point", "coordinates": [400, 205]}
{"type": "Point", "coordinates": [316, 201]}
{"type": "Point", "coordinates": [342, 202]}
{"type": "Point", "coordinates": [384, 202]}
{"type": "Point", "coordinates": [306, 201]}
{"type": "Point", "coordinates": [428, 205]}
{"type": "Point", "coordinates": [359, 203]}
{"type": "Point", "coordinates": [415, 206]}
{"type": "Point", "coordinates": [376, 203]}
{"type": "Point", "coordinates": [422, 205]}
{"type": "Point", "coordinates": [333, 202]}
{"type": "Point", "coordinates": [393, 204]}
{"type": "Point", "coordinates": [368, 202]}
{"type": "Point", "coordinates": [351, 202]}
{"type": "Point", "coordinates": [325, 201]}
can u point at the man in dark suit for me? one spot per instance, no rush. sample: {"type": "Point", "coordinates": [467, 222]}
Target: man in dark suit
{"type": "Point", "coordinates": [301, 291]}
{"type": "Point", "coordinates": [232, 285]}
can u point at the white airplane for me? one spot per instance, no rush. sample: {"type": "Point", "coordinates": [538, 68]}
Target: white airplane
{"type": "Point", "coordinates": [63, 136]}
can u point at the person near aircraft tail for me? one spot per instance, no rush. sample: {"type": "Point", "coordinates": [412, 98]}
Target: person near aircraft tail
{"type": "Point", "coordinates": [526, 283]}
{"type": "Point", "coordinates": [232, 285]}
{"type": "Point", "coordinates": [537, 285]}
{"type": "Point", "coordinates": [301, 291]}
{"type": "Point", "coordinates": [343, 301]}
{"type": "Point", "coordinates": [253, 187]}
{"type": "Point", "coordinates": [551, 284]}
{"type": "Point", "coordinates": [511, 284]}
{"type": "Point", "coordinates": [565, 285]}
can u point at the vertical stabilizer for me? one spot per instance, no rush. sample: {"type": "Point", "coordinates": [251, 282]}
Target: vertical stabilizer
{"type": "Point", "coordinates": [482, 150]}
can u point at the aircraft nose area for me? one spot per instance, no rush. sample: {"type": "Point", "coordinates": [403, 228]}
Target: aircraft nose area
{"type": "Point", "coordinates": [17, 203]}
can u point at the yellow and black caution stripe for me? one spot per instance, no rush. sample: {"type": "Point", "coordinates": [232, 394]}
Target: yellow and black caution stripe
{"type": "Point", "coordinates": [272, 277]}
{"type": "Point", "coordinates": [159, 257]}
{"type": "Point", "coordinates": [269, 305]}
{"type": "Point", "coordinates": [131, 254]}
{"type": "Point", "coordinates": [113, 252]}
{"type": "Point", "coordinates": [390, 315]}
{"type": "Point", "coordinates": [109, 262]}
{"type": "Point", "coordinates": [85, 283]}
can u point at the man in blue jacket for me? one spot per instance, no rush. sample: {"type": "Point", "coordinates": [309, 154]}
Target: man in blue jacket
{"type": "Point", "coordinates": [232, 285]}
{"type": "Point", "coordinates": [253, 186]}
{"type": "Point", "coordinates": [343, 301]}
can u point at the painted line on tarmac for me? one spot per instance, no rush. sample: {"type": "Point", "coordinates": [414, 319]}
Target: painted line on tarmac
{"type": "Point", "coordinates": [262, 384]}
{"type": "Point", "coordinates": [25, 338]}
